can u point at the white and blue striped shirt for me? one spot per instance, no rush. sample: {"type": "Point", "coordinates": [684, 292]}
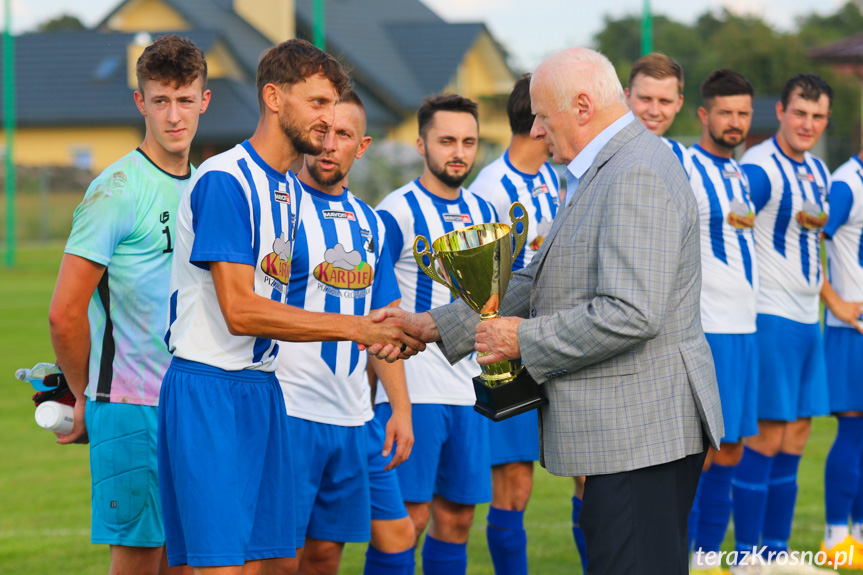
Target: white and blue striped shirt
{"type": "Point", "coordinates": [844, 230]}
{"type": "Point", "coordinates": [729, 276]}
{"type": "Point", "coordinates": [501, 184]}
{"type": "Point", "coordinates": [790, 200]}
{"type": "Point", "coordinates": [407, 212]}
{"type": "Point", "coordinates": [237, 209]}
{"type": "Point", "coordinates": [340, 265]}
{"type": "Point", "coordinates": [681, 152]}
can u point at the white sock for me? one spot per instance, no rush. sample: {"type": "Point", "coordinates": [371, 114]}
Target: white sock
{"type": "Point", "coordinates": [835, 534]}
{"type": "Point", "coordinates": [857, 531]}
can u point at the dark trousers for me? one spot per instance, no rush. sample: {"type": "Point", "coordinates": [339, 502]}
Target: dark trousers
{"type": "Point", "coordinates": [634, 522]}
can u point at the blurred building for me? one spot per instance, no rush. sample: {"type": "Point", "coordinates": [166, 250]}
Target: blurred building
{"type": "Point", "coordinates": [74, 90]}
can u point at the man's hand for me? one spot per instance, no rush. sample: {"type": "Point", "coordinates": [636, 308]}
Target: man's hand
{"type": "Point", "coordinates": [497, 340]}
{"type": "Point", "coordinates": [400, 432]}
{"type": "Point", "coordinates": [392, 333]}
{"type": "Point", "coordinates": [849, 312]}
{"type": "Point", "coordinates": [426, 332]}
{"type": "Point", "coordinates": [79, 427]}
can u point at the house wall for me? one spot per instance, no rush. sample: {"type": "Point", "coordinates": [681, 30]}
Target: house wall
{"type": "Point", "coordinates": [484, 78]}
{"type": "Point", "coordinates": [149, 15]}
{"type": "Point", "coordinates": [61, 146]}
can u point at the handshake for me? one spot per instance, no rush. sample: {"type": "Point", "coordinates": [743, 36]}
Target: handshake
{"type": "Point", "coordinates": [392, 333]}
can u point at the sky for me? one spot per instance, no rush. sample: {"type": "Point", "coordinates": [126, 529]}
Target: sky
{"type": "Point", "coordinates": [528, 34]}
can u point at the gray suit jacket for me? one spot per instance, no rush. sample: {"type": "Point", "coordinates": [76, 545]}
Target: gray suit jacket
{"type": "Point", "coordinates": [613, 326]}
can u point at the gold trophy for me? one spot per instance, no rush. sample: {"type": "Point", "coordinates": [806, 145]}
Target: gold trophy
{"type": "Point", "coordinates": [475, 263]}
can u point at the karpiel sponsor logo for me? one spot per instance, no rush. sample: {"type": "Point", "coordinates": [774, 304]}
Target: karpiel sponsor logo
{"type": "Point", "coordinates": [344, 269]}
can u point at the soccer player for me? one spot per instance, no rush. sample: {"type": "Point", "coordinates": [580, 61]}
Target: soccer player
{"type": "Point", "coordinates": [729, 289]}
{"type": "Point", "coordinates": [843, 345]}
{"type": "Point", "coordinates": [521, 174]}
{"type": "Point", "coordinates": [223, 426]}
{"type": "Point", "coordinates": [449, 471]}
{"type": "Point", "coordinates": [788, 187]}
{"type": "Point", "coordinates": [655, 96]}
{"type": "Point", "coordinates": [341, 264]}
{"type": "Point", "coordinates": [108, 311]}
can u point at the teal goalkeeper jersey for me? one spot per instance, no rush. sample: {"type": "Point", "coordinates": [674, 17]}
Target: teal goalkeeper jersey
{"type": "Point", "coordinates": [126, 223]}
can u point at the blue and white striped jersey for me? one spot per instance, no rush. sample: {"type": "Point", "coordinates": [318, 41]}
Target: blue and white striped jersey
{"type": "Point", "coordinates": [340, 265]}
{"type": "Point", "coordinates": [500, 184]}
{"type": "Point", "coordinates": [844, 230]}
{"type": "Point", "coordinates": [790, 200]}
{"type": "Point", "coordinates": [729, 269]}
{"type": "Point", "coordinates": [237, 209]}
{"type": "Point", "coordinates": [681, 152]}
{"type": "Point", "coordinates": [407, 212]}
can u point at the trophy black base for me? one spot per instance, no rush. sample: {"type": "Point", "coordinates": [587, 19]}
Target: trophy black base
{"type": "Point", "coordinates": [508, 399]}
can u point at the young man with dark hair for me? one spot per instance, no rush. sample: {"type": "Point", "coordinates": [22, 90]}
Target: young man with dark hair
{"type": "Point", "coordinates": [223, 427]}
{"type": "Point", "coordinates": [108, 312]}
{"type": "Point", "coordinates": [789, 192]}
{"type": "Point", "coordinates": [521, 174]}
{"type": "Point", "coordinates": [655, 96]}
{"type": "Point", "coordinates": [341, 264]}
{"type": "Point", "coordinates": [449, 470]}
{"type": "Point", "coordinates": [729, 288]}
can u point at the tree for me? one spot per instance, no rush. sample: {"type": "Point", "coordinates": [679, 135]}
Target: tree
{"type": "Point", "coordinates": [768, 58]}
{"type": "Point", "coordinates": [64, 23]}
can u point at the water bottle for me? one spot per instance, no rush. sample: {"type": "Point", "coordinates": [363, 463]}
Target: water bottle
{"type": "Point", "coordinates": [36, 373]}
{"type": "Point", "coordinates": [55, 417]}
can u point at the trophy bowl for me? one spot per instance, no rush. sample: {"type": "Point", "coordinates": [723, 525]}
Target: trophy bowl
{"type": "Point", "coordinates": [475, 263]}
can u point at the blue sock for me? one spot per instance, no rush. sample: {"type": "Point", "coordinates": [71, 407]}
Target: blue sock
{"type": "Point", "coordinates": [715, 487]}
{"type": "Point", "coordinates": [507, 541]}
{"type": "Point", "coordinates": [857, 505]}
{"type": "Point", "coordinates": [841, 481]}
{"type": "Point", "coordinates": [380, 563]}
{"type": "Point", "coordinates": [578, 534]}
{"type": "Point", "coordinates": [442, 558]}
{"type": "Point", "coordinates": [694, 515]}
{"type": "Point", "coordinates": [781, 498]}
{"type": "Point", "coordinates": [749, 487]}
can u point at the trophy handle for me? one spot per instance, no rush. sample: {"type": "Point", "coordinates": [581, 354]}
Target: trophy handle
{"type": "Point", "coordinates": [430, 271]}
{"type": "Point", "coordinates": [520, 238]}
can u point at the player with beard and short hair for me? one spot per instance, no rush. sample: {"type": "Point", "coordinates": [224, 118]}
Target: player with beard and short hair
{"type": "Point", "coordinates": [341, 264]}
{"type": "Point", "coordinates": [729, 289]}
{"type": "Point", "coordinates": [449, 470]}
{"type": "Point", "coordinates": [224, 442]}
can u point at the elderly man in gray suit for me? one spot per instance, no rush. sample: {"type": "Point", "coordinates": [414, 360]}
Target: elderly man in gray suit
{"type": "Point", "coordinates": [607, 318]}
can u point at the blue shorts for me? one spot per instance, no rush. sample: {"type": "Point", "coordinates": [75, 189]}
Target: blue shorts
{"type": "Point", "coordinates": [792, 379]}
{"type": "Point", "coordinates": [514, 439]}
{"type": "Point", "coordinates": [224, 466]}
{"type": "Point", "coordinates": [331, 481]}
{"type": "Point", "coordinates": [843, 348]}
{"type": "Point", "coordinates": [450, 454]}
{"type": "Point", "coordinates": [735, 356]}
{"type": "Point", "coordinates": [387, 502]}
{"type": "Point", "coordinates": [126, 506]}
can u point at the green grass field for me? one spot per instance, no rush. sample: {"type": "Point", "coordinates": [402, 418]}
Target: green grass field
{"type": "Point", "coordinates": [45, 490]}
